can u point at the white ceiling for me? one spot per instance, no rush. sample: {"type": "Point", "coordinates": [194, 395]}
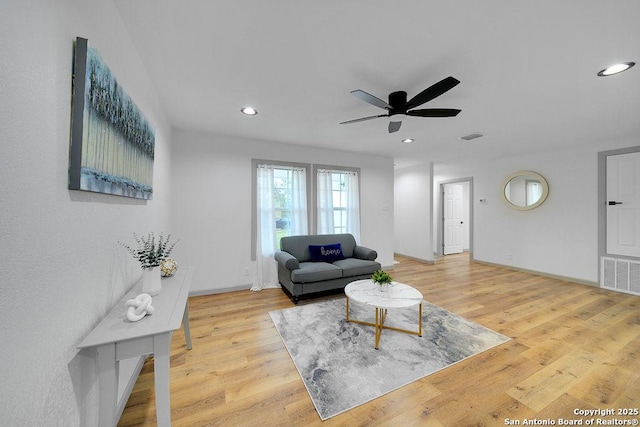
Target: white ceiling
{"type": "Point", "coordinates": [528, 70]}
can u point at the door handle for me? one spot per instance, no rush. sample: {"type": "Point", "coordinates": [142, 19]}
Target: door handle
{"type": "Point", "coordinates": [614, 203]}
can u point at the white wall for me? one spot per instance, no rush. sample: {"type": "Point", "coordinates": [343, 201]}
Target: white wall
{"type": "Point", "coordinates": [560, 237]}
{"type": "Point", "coordinates": [212, 203]}
{"type": "Point", "coordinates": [412, 212]}
{"type": "Point", "coordinates": [61, 268]}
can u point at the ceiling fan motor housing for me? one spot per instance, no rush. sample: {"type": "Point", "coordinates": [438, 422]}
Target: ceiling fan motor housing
{"type": "Point", "coordinates": [398, 100]}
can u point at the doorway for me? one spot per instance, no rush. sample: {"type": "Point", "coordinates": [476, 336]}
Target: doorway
{"type": "Point", "coordinates": [623, 205]}
{"type": "Point", "coordinates": [455, 217]}
{"type": "Point", "coordinates": [619, 203]}
{"type": "Point", "coordinates": [619, 220]}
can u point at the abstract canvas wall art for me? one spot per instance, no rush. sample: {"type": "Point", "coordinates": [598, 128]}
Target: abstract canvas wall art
{"type": "Point", "coordinates": [112, 143]}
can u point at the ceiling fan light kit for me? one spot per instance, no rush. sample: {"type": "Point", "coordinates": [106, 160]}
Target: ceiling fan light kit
{"type": "Point", "coordinates": [394, 126]}
{"type": "Point", "coordinates": [398, 104]}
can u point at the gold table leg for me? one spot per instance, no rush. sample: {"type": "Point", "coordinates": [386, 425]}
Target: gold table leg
{"type": "Point", "coordinates": [379, 324]}
{"type": "Point", "coordinates": [420, 320]}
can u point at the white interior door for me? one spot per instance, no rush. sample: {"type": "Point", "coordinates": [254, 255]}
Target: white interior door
{"type": "Point", "coordinates": [623, 204]}
{"type": "Point", "coordinates": [453, 218]}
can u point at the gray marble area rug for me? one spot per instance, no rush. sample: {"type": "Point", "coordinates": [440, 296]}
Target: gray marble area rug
{"type": "Point", "coordinates": [339, 365]}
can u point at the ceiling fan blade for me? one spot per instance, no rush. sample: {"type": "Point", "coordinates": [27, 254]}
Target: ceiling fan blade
{"type": "Point", "coordinates": [363, 119]}
{"type": "Point", "coordinates": [394, 126]}
{"type": "Point", "coordinates": [367, 97]}
{"type": "Point", "coordinates": [432, 92]}
{"type": "Point", "coordinates": [434, 112]}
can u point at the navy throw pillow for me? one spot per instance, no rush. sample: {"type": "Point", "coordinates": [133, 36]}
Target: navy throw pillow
{"type": "Point", "coordinates": [326, 253]}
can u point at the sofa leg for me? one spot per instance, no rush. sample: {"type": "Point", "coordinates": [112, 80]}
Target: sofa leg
{"type": "Point", "coordinates": [296, 299]}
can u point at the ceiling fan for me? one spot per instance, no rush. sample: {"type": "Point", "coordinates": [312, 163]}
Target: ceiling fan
{"type": "Point", "coordinates": [398, 103]}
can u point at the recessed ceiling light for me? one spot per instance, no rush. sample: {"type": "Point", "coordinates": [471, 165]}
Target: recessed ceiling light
{"type": "Point", "coordinates": [616, 68]}
{"type": "Point", "coordinates": [407, 140]}
{"type": "Point", "coordinates": [249, 111]}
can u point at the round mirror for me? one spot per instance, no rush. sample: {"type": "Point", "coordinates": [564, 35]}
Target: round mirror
{"type": "Point", "coordinates": [525, 190]}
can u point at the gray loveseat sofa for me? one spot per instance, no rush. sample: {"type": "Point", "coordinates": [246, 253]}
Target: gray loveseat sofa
{"type": "Point", "coordinates": [311, 264]}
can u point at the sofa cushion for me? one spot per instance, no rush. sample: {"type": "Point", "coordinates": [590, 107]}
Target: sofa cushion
{"type": "Point", "coordinates": [326, 253]}
{"type": "Point", "coordinates": [315, 272]}
{"type": "Point", "coordinates": [356, 267]}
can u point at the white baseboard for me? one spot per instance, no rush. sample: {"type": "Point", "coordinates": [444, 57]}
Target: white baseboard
{"type": "Point", "coordinates": [426, 261]}
{"type": "Point", "coordinates": [219, 290]}
{"type": "Point", "coordinates": [542, 273]}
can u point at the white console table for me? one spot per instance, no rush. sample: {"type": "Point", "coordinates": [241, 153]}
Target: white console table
{"type": "Point", "coordinates": [116, 339]}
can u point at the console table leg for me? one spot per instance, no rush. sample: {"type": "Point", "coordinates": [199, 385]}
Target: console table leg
{"type": "Point", "coordinates": [185, 325]}
{"type": "Point", "coordinates": [107, 385]}
{"type": "Point", "coordinates": [161, 363]}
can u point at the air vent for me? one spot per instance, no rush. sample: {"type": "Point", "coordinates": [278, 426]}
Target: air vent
{"type": "Point", "coordinates": [621, 275]}
{"type": "Point", "coordinates": [471, 136]}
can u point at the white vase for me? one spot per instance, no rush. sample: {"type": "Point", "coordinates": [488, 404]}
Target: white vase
{"type": "Point", "coordinates": [383, 287]}
{"type": "Point", "coordinates": [151, 280]}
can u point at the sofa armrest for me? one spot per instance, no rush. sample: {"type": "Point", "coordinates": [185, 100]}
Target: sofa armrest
{"type": "Point", "coordinates": [287, 260]}
{"type": "Point", "coordinates": [361, 252]}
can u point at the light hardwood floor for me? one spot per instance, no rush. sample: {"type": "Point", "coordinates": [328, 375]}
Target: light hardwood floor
{"type": "Point", "coordinates": [573, 347]}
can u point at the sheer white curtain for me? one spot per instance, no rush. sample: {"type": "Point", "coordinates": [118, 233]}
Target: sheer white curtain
{"type": "Point", "coordinates": [298, 221]}
{"type": "Point", "coordinates": [325, 203]}
{"type": "Point", "coordinates": [266, 270]}
{"type": "Point", "coordinates": [353, 205]}
{"type": "Point", "coordinates": [266, 243]}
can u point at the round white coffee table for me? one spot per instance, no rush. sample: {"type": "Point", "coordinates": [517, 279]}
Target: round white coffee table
{"type": "Point", "coordinates": [398, 295]}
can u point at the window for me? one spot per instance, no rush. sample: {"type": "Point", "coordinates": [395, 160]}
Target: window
{"type": "Point", "coordinates": [338, 201]}
{"type": "Point", "coordinates": [281, 196]}
{"type": "Point", "coordinates": [289, 201]}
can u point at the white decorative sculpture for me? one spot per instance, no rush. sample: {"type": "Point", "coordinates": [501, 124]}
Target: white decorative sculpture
{"type": "Point", "coordinates": [139, 307]}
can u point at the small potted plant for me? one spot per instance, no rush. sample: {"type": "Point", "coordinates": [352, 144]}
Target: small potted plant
{"type": "Point", "coordinates": [382, 279]}
{"type": "Point", "coordinates": [150, 253]}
